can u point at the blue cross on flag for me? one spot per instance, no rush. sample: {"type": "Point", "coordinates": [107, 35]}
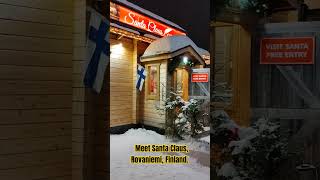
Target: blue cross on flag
{"type": "Point", "coordinates": [98, 51]}
{"type": "Point", "coordinates": [141, 76]}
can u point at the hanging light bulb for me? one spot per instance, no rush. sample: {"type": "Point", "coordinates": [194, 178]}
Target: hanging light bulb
{"type": "Point", "coordinates": [185, 59]}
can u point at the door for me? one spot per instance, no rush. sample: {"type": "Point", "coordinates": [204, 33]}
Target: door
{"type": "Point", "coordinates": [181, 83]}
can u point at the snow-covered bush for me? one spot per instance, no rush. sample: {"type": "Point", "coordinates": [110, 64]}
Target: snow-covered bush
{"type": "Point", "coordinates": [191, 111]}
{"type": "Point", "coordinates": [182, 117]}
{"type": "Point", "coordinates": [253, 152]}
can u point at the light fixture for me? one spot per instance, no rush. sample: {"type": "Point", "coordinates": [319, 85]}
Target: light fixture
{"type": "Point", "coordinates": [117, 50]}
{"type": "Point", "coordinates": [185, 59]}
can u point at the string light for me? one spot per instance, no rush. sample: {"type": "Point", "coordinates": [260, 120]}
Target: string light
{"type": "Point", "coordinates": [130, 35]}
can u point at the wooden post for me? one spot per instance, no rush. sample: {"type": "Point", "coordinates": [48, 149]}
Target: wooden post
{"type": "Point", "coordinates": [134, 75]}
{"type": "Point", "coordinates": [212, 64]}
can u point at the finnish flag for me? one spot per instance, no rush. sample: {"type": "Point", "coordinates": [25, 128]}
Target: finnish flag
{"type": "Point", "coordinates": [98, 51]}
{"type": "Point", "coordinates": [141, 77]}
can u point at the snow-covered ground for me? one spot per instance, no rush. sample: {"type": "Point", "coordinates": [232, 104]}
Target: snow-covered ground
{"type": "Point", "coordinates": [206, 139]}
{"type": "Point", "coordinates": [122, 147]}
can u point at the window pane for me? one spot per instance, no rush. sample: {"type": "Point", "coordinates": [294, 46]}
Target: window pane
{"type": "Point", "coordinates": [153, 80]}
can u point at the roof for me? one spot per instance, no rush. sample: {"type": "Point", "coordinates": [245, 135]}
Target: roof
{"type": "Point", "coordinates": [171, 44]}
{"type": "Point", "coordinates": [148, 13]}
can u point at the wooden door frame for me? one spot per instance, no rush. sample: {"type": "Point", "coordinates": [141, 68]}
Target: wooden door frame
{"type": "Point", "coordinates": [185, 91]}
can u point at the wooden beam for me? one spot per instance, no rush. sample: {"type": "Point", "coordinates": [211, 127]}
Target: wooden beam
{"type": "Point", "coordinates": [295, 3]}
{"type": "Point", "coordinates": [298, 85]}
{"type": "Point", "coordinates": [281, 113]}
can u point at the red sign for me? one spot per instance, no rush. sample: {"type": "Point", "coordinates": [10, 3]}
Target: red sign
{"type": "Point", "coordinates": [287, 50]}
{"type": "Point", "coordinates": [140, 21]}
{"type": "Point", "coordinates": [200, 77]}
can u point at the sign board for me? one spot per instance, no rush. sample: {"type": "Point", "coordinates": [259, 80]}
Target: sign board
{"type": "Point", "coordinates": [295, 50]}
{"type": "Point", "coordinates": [200, 77]}
{"type": "Point", "coordinates": [199, 86]}
{"type": "Point", "coordinates": [137, 20]}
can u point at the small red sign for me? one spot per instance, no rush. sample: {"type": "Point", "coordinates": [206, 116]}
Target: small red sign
{"type": "Point", "coordinates": [140, 21]}
{"type": "Point", "coordinates": [200, 77]}
{"type": "Point", "coordinates": [287, 50]}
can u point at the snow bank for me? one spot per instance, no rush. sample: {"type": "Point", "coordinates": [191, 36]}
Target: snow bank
{"type": "Point", "coordinates": [228, 170]}
{"type": "Point", "coordinates": [206, 139]}
{"type": "Point", "coordinates": [122, 147]}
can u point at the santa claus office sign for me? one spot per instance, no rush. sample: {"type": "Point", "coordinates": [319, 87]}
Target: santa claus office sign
{"type": "Point", "coordinates": [137, 20]}
{"type": "Point", "coordinates": [293, 50]}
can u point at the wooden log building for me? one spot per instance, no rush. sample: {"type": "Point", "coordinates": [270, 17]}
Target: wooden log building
{"type": "Point", "coordinates": [52, 127]}
{"type": "Point", "coordinates": [141, 37]}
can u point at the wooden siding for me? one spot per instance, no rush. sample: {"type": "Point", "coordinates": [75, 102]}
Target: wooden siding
{"type": "Point", "coordinates": [79, 100]}
{"type": "Point", "coordinates": [148, 113]}
{"type": "Point", "coordinates": [313, 4]}
{"type": "Point", "coordinates": [35, 91]}
{"type": "Point", "coordinates": [274, 96]}
{"type": "Point", "coordinates": [232, 65]}
{"type": "Point", "coordinates": [122, 80]}
{"type": "Point", "coordinates": [270, 88]}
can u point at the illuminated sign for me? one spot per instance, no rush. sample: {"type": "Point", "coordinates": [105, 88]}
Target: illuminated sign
{"type": "Point", "coordinates": [287, 50]}
{"type": "Point", "coordinates": [200, 77]}
{"type": "Point", "coordinates": [140, 21]}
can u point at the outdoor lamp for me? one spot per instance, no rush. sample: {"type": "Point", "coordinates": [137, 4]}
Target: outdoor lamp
{"type": "Point", "coordinates": [185, 59]}
{"type": "Point", "coordinates": [117, 50]}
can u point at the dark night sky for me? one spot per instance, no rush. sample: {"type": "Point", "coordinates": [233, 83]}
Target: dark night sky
{"type": "Point", "coordinates": [192, 15]}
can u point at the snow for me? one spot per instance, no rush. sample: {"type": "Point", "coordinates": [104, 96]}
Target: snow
{"type": "Point", "coordinates": [206, 128]}
{"type": "Point", "coordinates": [206, 139]}
{"type": "Point", "coordinates": [124, 28]}
{"type": "Point", "coordinates": [245, 135]}
{"type": "Point", "coordinates": [171, 44]}
{"type": "Point", "coordinates": [150, 14]}
{"type": "Point", "coordinates": [228, 170]}
{"type": "Point", "coordinates": [203, 52]}
{"type": "Point", "coordinates": [122, 147]}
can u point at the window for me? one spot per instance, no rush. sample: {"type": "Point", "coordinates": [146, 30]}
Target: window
{"type": "Point", "coordinates": [153, 79]}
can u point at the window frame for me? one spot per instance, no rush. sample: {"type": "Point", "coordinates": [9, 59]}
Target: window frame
{"type": "Point", "coordinates": [157, 95]}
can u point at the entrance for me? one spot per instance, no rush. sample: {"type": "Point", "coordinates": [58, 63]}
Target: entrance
{"type": "Point", "coordinates": [181, 82]}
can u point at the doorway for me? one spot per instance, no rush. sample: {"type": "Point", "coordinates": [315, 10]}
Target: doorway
{"type": "Point", "coordinates": [181, 82]}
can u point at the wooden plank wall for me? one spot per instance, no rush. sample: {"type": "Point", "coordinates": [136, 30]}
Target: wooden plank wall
{"type": "Point", "coordinates": [232, 66]}
{"type": "Point", "coordinates": [96, 112]}
{"type": "Point", "coordinates": [35, 91]}
{"type": "Point", "coordinates": [222, 57]}
{"type": "Point", "coordinates": [121, 82]}
{"type": "Point", "coordinates": [313, 4]}
{"type": "Point", "coordinates": [244, 76]}
{"type": "Point", "coordinates": [273, 96]}
{"type": "Point", "coordinates": [79, 100]}
{"type": "Point", "coordinates": [270, 88]}
{"type": "Point", "coordinates": [147, 107]}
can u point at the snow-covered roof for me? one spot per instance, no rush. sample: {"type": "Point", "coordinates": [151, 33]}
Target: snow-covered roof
{"type": "Point", "coordinates": [203, 52]}
{"type": "Point", "coordinates": [171, 44]}
{"type": "Point", "coordinates": [148, 13]}
{"type": "Point", "coordinates": [151, 36]}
